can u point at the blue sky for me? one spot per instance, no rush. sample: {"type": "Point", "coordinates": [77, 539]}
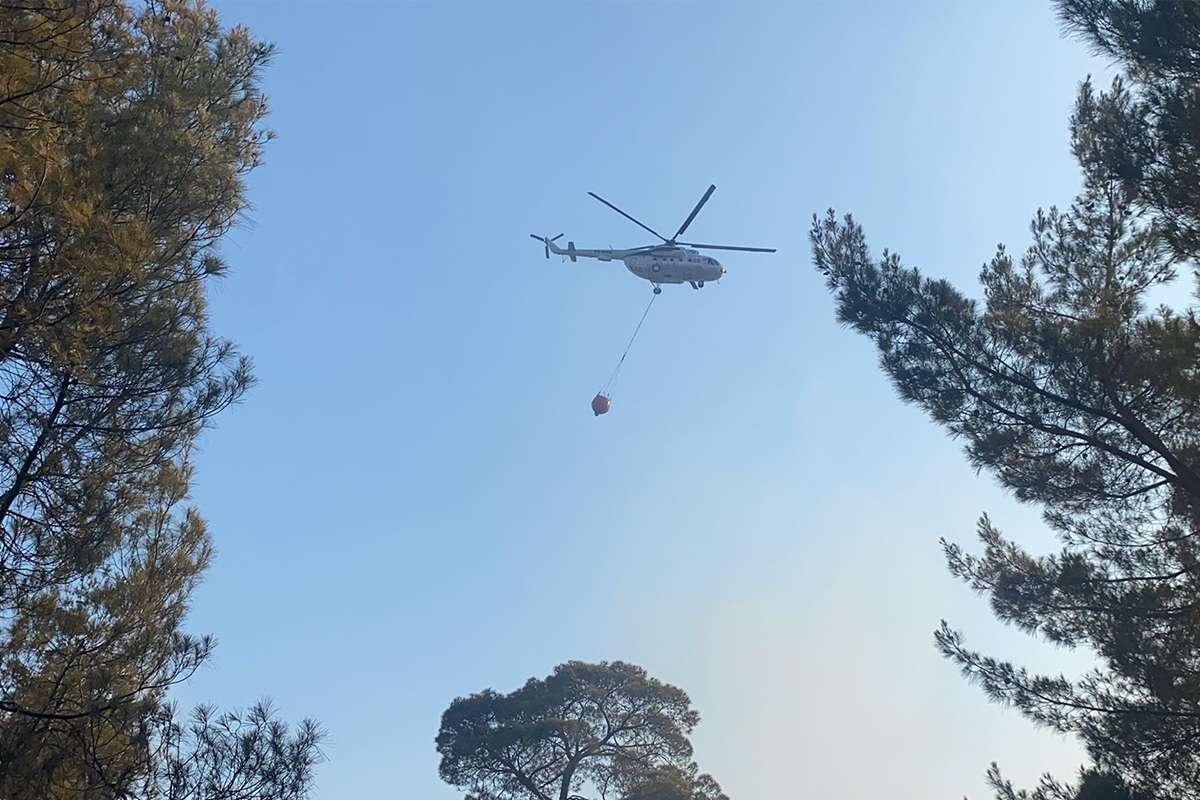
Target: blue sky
{"type": "Point", "coordinates": [416, 503]}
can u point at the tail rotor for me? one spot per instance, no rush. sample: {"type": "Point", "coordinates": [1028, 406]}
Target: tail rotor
{"type": "Point", "coordinates": [545, 240]}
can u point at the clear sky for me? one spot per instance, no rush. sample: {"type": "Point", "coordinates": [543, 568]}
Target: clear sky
{"type": "Point", "coordinates": [417, 503]}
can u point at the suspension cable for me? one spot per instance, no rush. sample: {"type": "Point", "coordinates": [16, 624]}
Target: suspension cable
{"type": "Point", "coordinates": [617, 370]}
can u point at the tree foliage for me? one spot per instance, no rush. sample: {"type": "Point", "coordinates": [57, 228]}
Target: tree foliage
{"type": "Point", "coordinates": [1079, 396]}
{"type": "Point", "coordinates": [1153, 143]}
{"type": "Point", "coordinates": [124, 138]}
{"type": "Point", "coordinates": [587, 730]}
{"type": "Point", "coordinates": [671, 783]}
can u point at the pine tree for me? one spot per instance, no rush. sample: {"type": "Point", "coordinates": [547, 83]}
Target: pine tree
{"type": "Point", "coordinates": [1153, 142]}
{"type": "Point", "coordinates": [124, 138]}
{"type": "Point", "coordinates": [1081, 398]}
{"type": "Point", "coordinates": [606, 731]}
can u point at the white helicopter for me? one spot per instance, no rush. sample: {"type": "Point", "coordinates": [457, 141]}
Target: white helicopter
{"type": "Point", "coordinates": [672, 261]}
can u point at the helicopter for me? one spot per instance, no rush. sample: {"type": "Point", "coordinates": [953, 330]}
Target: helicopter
{"type": "Point", "coordinates": [672, 261]}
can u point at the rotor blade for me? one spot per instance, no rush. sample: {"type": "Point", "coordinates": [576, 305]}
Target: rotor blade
{"type": "Point", "coordinates": [727, 247]}
{"type": "Point", "coordinates": [712, 188]}
{"type": "Point", "coordinates": [626, 216]}
{"type": "Point", "coordinates": [543, 240]}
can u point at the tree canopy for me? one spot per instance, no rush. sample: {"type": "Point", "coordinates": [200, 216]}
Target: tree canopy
{"type": "Point", "coordinates": [605, 730]}
{"type": "Point", "coordinates": [125, 135]}
{"type": "Point", "coordinates": [1150, 142]}
{"type": "Point", "coordinates": [1066, 383]}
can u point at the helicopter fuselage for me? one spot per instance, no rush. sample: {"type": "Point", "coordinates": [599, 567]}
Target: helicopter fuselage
{"type": "Point", "coordinates": [675, 265]}
{"type": "Point", "coordinates": [668, 264]}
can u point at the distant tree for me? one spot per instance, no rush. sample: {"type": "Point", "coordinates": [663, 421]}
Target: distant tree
{"type": "Point", "coordinates": [670, 783]}
{"type": "Point", "coordinates": [124, 137]}
{"type": "Point", "coordinates": [1079, 398]}
{"type": "Point", "coordinates": [586, 731]}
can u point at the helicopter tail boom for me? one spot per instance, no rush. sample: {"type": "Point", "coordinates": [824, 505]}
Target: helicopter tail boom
{"type": "Point", "coordinates": [574, 253]}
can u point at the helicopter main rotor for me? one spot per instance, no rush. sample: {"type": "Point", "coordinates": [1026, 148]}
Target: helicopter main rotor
{"type": "Point", "coordinates": [674, 240]}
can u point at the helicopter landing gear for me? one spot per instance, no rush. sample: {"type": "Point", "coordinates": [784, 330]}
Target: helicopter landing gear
{"type": "Point", "coordinates": [658, 290]}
